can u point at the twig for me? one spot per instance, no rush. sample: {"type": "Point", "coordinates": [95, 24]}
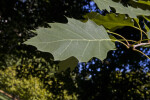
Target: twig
{"type": "Point", "coordinates": [121, 43]}
{"type": "Point", "coordinates": [141, 44]}
{"type": "Point", "coordinates": [142, 53]}
{"type": "Point", "coordinates": [119, 36]}
{"type": "Point", "coordinates": [6, 94]}
{"type": "Point", "coordinates": [140, 30]}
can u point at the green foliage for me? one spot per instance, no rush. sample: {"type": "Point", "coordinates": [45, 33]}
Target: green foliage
{"type": "Point", "coordinates": [78, 39]}
{"type": "Point", "coordinates": [133, 83]}
{"type": "Point", "coordinates": [143, 4]}
{"type": "Point", "coordinates": [111, 84]}
{"type": "Point", "coordinates": [82, 40]}
{"type": "Point", "coordinates": [119, 8]}
{"type": "Point", "coordinates": [47, 76]}
{"type": "Point", "coordinates": [27, 89]}
{"type": "Point", "coordinates": [110, 21]}
{"type": "Point", "coordinates": [35, 74]}
{"type": "Point", "coordinates": [30, 88]}
{"type": "Point", "coordinates": [37, 68]}
{"type": "Point", "coordinates": [19, 16]}
{"type": "Point", "coordinates": [68, 63]}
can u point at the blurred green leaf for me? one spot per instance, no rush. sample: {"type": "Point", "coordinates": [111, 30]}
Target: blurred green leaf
{"type": "Point", "coordinates": [68, 63]}
{"type": "Point", "coordinates": [110, 21]}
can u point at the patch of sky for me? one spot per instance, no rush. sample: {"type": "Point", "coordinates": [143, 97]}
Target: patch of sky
{"type": "Point", "coordinates": [121, 70]}
{"type": "Point", "coordinates": [98, 69]}
{"type": "Point", "coordinates": [148, 61]}
{"type": "Point", "coordinates": [92, 3]}
{"type": "Point", "coordinates": [23, 1]}
{"type": "Point", "coordinates": [90, 76]}
{"type": "Point", "coordinates": [88, 63]}
{"type": "Point", "coordinates": [140, 63]}
{"type": "Point", "coordinates": [145, 63]}
{"type": "Point", "coordinates": [144, 51]}
{"type": "Point", "coordinates": [91, 7]}
{"type": "Point", "coordinates": [117, 69]}
{"type": "Point", "coordinates": [16, 3]}
{"type": "Point", "coordinates": [143, 26]}
{"type": "Point", "coordinates": [117, 44]}
{"type": "Point", "coordinates": [86, 7]}
{"type": "Point", "coordinates": [93, 62]}
{"type": "Point", "coordinates": [80, 66]}
{"type": "Point", "coordinates": [107, 67]}
{"type": "Point", "coordinates": [141, 48]}
{"type": "Point", "coordinates": [148, 52]}
{"type": "Point", "coordinates": [127, 68]}
{"type": "Point", "coordinates": [123, 65]}
{"type": "Point", "coordinates": [146, 69]}
{"type": "Point", "coordinates": [87, 66]}
{"type": "Point", "coordinates": [122, 52]}
{"type": "Point", "coordinates": [145, 88]}
{"type": "Point", "coordinates": [97, 59]}
{"type": "Point", "coordinates": [113, 53]}
{"type": "Point", "coordinates": [90, 70]}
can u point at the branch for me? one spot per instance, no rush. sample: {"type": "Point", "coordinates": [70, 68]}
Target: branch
{"type": "Point", "coordinates": [8, 95]}
{"type": "Point", "coordinates": [119, 36]}
{"type": "Point", "coordinates": [142, 53]}
{"type": "Point", "coordinates": [140, 30]}
{"type": "Point", "coordinates": [141, 44]}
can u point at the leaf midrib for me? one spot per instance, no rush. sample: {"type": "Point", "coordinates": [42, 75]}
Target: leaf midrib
{"type": "Point", "coordinates": [97, 40]}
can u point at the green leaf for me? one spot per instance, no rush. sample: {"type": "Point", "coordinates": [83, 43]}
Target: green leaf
{"type": "Point", "coordinates": [110, 21]}
{"type": "Point", "coordinates": [132, 12]}
{"type": "Point", "coordinates": [148, 34]}
{"type": "Point", "coordinates": [146, 27]}
{"type": "Point", "coordinates": [78, 39]}
{"type": "Point", "coordinates": [144, 2]}
{"type": "Point", "coordinates": [140, 3]}
{"type": "Point", "coordinates": [147, 18]}
{"type": "Point", "coordinates": [71, 63]}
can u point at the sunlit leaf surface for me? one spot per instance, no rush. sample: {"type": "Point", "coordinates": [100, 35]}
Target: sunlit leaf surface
{"type": "Point", "coordinates": [78, 39]}
{"type": "Point", "coordinates": [131, 11]}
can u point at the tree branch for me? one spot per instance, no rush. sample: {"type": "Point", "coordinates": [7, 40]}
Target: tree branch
{"type": "Point", "coordinates": [141, 44]}
{"type": "Point", "coordinates": [6, 94]}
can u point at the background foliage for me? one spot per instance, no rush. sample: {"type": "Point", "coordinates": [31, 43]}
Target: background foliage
{"type": "Point", "coordinates": [121, 75]}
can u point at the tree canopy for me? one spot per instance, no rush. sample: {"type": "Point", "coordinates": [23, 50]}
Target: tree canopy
{"type": "Point", "coordinates": [74, 49]}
